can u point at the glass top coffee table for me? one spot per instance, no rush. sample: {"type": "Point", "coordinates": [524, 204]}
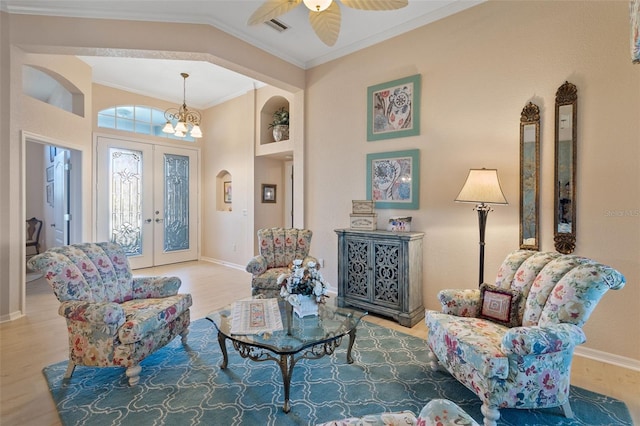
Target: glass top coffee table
{"type": "Point", "coordinates": [311, 337]}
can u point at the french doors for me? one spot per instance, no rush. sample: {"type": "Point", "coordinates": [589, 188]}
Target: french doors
{"type": "Point", "coordinates": [147, 200]}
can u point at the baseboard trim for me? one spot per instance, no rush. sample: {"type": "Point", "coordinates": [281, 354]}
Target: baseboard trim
{"type": "Point", "coordinates": [10, 317]}
{"type": "Point", "coordinates": [223, 263]}
{"type": "Point", "coordinates": [609, 358]}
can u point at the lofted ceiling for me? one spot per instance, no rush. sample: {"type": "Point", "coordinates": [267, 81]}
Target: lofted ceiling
{"type": "Point", "coordinates": [298, 44]}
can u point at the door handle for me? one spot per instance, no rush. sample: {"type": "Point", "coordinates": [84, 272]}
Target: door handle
{"type": "Point", "coordinates": [159, 220]}
{"type": "Point", "coordinates": [148, 221]}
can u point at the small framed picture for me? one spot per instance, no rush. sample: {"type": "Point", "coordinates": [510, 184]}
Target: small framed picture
{"type": "Point", "coordinates": [268, 193]}
{"type": "Point", "coordinates": [50, 174]}
{"type": "Point", "coordinates": [227, 192]}
{"type": "Point", "coordinates": [50, 194]}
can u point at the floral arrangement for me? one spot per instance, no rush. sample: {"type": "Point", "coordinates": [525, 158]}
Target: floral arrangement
{"type": "Point", "coordinates": [303, 280]}
{"type": "Point", "coordinates": [280, 117]}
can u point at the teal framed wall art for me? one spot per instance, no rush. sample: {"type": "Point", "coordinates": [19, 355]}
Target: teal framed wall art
{"type": "Point", "coordinates": [393, 109]}
{"type": "Point", "coordinates": [393, 179]}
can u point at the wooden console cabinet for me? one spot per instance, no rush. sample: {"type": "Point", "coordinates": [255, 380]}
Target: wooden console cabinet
{"type": "Point", "coordinates": [381, 272]}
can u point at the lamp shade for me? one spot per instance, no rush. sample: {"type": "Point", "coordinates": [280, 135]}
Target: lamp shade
{"type": "Point", "coordinates": [168, 128]}
{"type": "Point", "coordinates": [482, 186]}
{"type": "Point", "coordinates": [181, 127]}
{"type": "Point", "coordinates": [196, 132]}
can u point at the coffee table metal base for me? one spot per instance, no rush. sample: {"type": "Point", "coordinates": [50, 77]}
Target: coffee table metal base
{"type": "Point", "coordinates": [285, 361]}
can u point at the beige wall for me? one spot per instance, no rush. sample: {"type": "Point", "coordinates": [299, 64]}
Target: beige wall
{"type": "Point", "coordinates": [7, 217]}
{"type": "Point", "coordinates": [226, 235]}
{"type": "Point", "coordinates": [479, 68]}
{"type": "Point", "coordinates": [268, 171]}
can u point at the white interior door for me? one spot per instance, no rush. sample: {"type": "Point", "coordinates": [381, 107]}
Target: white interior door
{"type": "Point", "coordinates": [147, 198]}
{"type": "Point", "coordinates": [60, 225]}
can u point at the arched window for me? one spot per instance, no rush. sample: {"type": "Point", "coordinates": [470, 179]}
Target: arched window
{"type": "Point", "coordinates": [136, 119]}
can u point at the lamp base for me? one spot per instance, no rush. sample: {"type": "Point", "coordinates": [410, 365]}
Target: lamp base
{"type": "Point", "coordinates": [483, 211]}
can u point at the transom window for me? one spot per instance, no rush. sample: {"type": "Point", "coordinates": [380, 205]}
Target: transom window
{"type": "Point", "coordinates": [136, 119]}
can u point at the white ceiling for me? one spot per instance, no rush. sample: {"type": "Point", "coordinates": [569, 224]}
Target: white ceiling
{"type": "Point", "coordinates": [298, 45]}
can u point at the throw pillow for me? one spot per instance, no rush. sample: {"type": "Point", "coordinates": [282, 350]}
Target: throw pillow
{"type": "Point", "coordinates": [499, 305]}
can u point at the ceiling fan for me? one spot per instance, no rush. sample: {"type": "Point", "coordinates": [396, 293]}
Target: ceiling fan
{"type": "Point", "coordinates": [324, 15]}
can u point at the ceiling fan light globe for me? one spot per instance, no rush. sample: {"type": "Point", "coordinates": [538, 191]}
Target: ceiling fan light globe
{"type": "Point", "coordinates": [317, 5]}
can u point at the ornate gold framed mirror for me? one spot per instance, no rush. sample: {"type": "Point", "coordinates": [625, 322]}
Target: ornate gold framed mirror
{"type": "Point", "coordinates": [529, 176]}
{"type": "Point", "coordinates": [565, 168]}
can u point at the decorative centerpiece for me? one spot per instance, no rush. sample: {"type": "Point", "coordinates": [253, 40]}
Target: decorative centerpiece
{"type": "Point", "coordinates": [303, 287]}
{"type": "Point", "coordinates": [280, 125]}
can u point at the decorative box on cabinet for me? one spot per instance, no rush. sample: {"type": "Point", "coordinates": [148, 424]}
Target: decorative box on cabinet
{"type": "Point", "coordinates": [381, 272]}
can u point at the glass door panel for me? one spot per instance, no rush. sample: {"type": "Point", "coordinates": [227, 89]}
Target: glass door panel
{"type": "Point", "coordinates": [176, 237]}
{"type": "Point", "coordinates": [125, 227]}
{"type": "Point", "coordinates": [176, 196]}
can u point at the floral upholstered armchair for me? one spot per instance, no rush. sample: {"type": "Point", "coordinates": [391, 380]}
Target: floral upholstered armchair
{"type": "Point", "coordinates": [278, 247]}
{"type": "Point", "coordinates": [512, 343]}
{"type": "Point", "coordinates": [113, 318]}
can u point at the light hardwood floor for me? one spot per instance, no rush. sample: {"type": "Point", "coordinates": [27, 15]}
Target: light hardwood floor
{"type": "Point", "coordinates": [40, 339]}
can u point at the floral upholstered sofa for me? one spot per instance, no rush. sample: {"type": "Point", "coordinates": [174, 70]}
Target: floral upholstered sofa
{"type": "Point", "coordinates": [278, 247]}
{"type": "Point", "coordinates": [113, 318]}
{"type": "Point", "coordinates": [512, 343]}
{"type": "Point", "coordinates": [437, 412]}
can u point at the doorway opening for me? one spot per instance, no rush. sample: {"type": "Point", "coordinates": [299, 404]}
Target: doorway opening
{"type": "Point", "coordinates": [52, 192]}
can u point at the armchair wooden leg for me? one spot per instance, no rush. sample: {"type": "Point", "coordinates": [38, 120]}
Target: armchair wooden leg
{"type": "Point", "coordinates": [491, 414]}
{"type": "Point", "coordinates": [70, 367]}
{"type": "Point", "coordinates": [133, 373]}
{"type": "Point", "coordinates": [566, 409]}
{"type": "Point", "coordinates": [183, 335]}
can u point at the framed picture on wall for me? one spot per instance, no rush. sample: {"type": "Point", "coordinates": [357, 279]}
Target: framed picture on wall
{"type": "Point", "coordinates": [268, 193]}
{"type": "Point", "coordinates": [50, 194]}
{"type": "Point", "coordinates": [393, 179]}
{"type": "Point", "coordinates": [393, 109]}
{"type": "Point", "coordinates": [227, 192]}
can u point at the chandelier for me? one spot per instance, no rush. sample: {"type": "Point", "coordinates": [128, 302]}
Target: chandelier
{"type": "Point", "coordinates": [188, 121]}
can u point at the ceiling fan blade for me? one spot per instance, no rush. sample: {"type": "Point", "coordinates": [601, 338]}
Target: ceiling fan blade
{"type": "Point", "coordinates": [375, 4]}
{"type": "Point", "coordinates": [272, 9]}
{"type": "Point", "coordinates": [326, 24]}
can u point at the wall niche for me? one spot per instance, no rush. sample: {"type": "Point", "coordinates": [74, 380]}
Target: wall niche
{"type": "Point", "coordinates": [275, 103]}
{"type": "Point", "coordinates": [224, 189]}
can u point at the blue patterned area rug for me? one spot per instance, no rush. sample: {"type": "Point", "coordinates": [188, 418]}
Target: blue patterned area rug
{"type": "Point", "coordinates": [185, 386]}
